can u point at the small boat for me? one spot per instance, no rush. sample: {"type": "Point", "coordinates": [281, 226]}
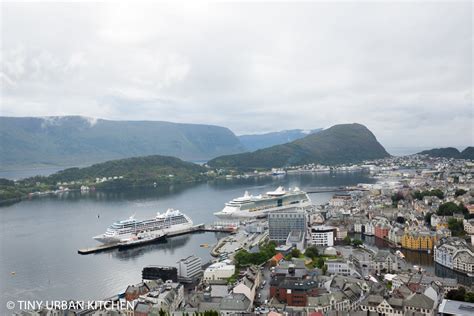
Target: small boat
{"type": "Point", "coordinates": [204, 245]}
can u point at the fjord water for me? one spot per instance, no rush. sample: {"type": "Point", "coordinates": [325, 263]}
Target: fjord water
{"type": "Point", "coordinates": [39, 238]}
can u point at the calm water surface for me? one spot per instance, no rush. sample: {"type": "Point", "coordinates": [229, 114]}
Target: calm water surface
{"type": "Point", "coordinates": [39, 238]}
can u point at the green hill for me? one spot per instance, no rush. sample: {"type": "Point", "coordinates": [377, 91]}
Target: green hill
{"type": "Point", "coordinates": [137, 169]}
{"type": "Point", "coordinates": [114, 174]}
{"type": "Point", "coordinates": [450, 152]}
{"type": "Point", "coordinates": [468, 153]}
{"type": "Point", "coordinates": [258, 141]}
{"type": "Point", "coordinates": [345, 143]}
{"type": "Point", "coordinates": [75, 140]}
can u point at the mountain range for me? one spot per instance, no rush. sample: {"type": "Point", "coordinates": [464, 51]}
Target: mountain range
{"type": "Point", "coordinates": [76, 140]}
{"type": "Point", "coordinates": [450, 152]}
{"type": "Point", "coordinates": [344, 143]}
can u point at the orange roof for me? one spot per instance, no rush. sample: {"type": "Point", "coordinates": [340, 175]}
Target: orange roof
{"type": "Point", "coordinates": [278, 257]}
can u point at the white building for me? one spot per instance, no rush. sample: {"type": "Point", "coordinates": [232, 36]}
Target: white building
{"type": "Point", "coordinates": [454, 253]}
{"type": "Point", "coordinates": [219, 271]}
{"type": "Point", "coordinates": [369, 229]}
{"type": "Point", "coordinates": [469, 226]}
{"type": "Point", "coordinates": [323, 235]}
{"type": "Point", "coordinates": [341, 267]}
{"type": "Point", "coordinates": [189, 268]}
{"type": "Point", "coordinates": [358, 227]}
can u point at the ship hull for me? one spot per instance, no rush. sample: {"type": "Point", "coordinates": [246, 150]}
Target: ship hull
{"type": "Point", "coordinates": [256, 214]}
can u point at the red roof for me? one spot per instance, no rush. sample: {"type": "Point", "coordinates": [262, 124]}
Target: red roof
{"type": "Point", "coordinates": [315, 314]}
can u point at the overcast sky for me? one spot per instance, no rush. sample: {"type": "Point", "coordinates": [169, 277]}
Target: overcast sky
{"type": "Point", "coordinates": [402, 69]}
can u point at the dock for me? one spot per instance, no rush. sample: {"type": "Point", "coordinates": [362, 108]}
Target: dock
{"type": "Point", "coordinates": [193, 229]}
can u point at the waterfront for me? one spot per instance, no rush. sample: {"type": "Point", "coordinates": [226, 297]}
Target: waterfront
{"type": "Point", "coordinates": [39, 238]}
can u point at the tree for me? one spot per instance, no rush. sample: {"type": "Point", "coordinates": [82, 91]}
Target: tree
{"type": "Point", "coordinates": [347, 240]}
{"type": "Point", "coordinates": [295, 253]}
{"type": "Point", "coordinates": [459, 192]}
{"type": "Point", "coordinates": [435, 192]}
{"type": "Point", "coordinates": [324, 269]}
{"type": "Point", "coordinates": [456, 227]}
{"type": "Point", "coordinates": [356, 242]}
{"type": "Point", "coordinates": [428, 218]}
{"type": "Point", "coordinates": [320, 263]}
{"type": "Point", "coordinates": [457, 295]}
{"type": "Point", "coordinates": [469, 297]}
{"type": "Point", "coordinates": [162, 312]}
{"type": "Point", "coordinates": [311, 252]}
{"type": "Point", "coordinates": [449, 208]}
{"type": "Point", "coordinates": [397, 197]}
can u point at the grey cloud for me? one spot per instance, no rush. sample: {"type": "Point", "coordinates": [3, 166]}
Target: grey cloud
{"type": "Point", "coordinates": [403, 69]}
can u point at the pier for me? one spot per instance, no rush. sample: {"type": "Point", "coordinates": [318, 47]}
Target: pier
{"type": "Point", "coordinates": [193, 229]}
{"type": "Point", "coordinates": [332, 189]}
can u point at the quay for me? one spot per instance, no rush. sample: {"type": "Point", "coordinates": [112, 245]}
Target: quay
{"type": "Point", "coordinates": [193, 229]}
{"type": "Point", "coordinates": [332, 189]}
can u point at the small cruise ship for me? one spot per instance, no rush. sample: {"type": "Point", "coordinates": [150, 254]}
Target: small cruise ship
{"type": "Point", "coordinates": [172, 221]}
{"type": "Point", "coordinates": [249, 206]}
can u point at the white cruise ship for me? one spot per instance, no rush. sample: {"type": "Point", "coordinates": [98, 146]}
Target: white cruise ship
{"type": "Point", "coordinates": [170, 221]}
{"type": "Point", "coordinates": [249, 206]}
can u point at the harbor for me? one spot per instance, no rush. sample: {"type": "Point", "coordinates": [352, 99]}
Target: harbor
{"type": "Point", "coordinates": [118, 245]}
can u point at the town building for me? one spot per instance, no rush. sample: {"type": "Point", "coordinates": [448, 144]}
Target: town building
{"type": "Point", "coordinates": [322, 235]}
{"type": "Point", "coordinates": [446, 248]}
{"type": "Point", "coordinates": [469, 226]}
{"type": "Point", "coordinates": [414, 239]}
{"type": "Point", "coordinates": [381, 230]}
{"type": "Point", "coordinates": [219, 271]}
{"type": "Point", "coordinates": [339, 266]}
{"type": "Point", "coordinates": [189, 268]}
{"type": "Point", "coordinates": [168, 297]}
{"type": "Point", "coordinates": [281, 223]}
{"type": "Point", "coordinates": [293, 292]}
{"type": "Point", "coordinates": [163, 273]}
{"type": "Point", "coordinates": [385, 262]}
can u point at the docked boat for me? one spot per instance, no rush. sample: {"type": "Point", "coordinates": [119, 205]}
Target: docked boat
{"type": "Point", "coordinates": [142, 239]}
{"type": "Point", "coordinates": [278, 172]}
{"type": "Point", "coordinates": [170, 222]}
{"type": "Point", "coordinates": [249, 206]}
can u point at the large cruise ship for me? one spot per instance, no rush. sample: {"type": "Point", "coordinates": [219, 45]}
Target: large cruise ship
{"type": "Point", "coordinates": [125, 230]}
{"type": "Point", "coordinates": [249, 206]}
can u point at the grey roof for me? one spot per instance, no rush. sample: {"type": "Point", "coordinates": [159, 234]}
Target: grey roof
{"type": "Point", "coordinates": [449, 307]}
{"type": "Point", "coordinates": [325, 299]}
{"type": "Point", "coordinates": [418, 300]}
{"type": "Point", "coordinates": [142, 307]}
{"type": "Point", "coordinates": [302, 285]}
{"type": "Point", "coordinates": [218, 290]}
{"type": "Point", "coordinates": [372, 300]}
{"type": "Point", "coordinates": [395, 302]}
{"type": "Point", "coordinates": [235, 302]}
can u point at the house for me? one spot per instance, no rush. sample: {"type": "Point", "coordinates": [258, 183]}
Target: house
{"type": "Point", "coordinates": [336, 301]}
{"type": "Point", "coordinates": [275, 260]}
{"type": "Point", "coordinates": [418, 303]}
{"type": "Point", "coordinates": [339, 266]}
{"type": "Point", "coordinates": [454, 253]}
{"type": "Point", "coordinates": [385, 262]}
{"type": "Point", "coordinates": [219, 271]}
{"type": "Point", "coordinates": [293, 292]}
{"type": "Point", "coordinates": [134, 291]}
{"type": "Point", "coordinates": [234, 304]}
